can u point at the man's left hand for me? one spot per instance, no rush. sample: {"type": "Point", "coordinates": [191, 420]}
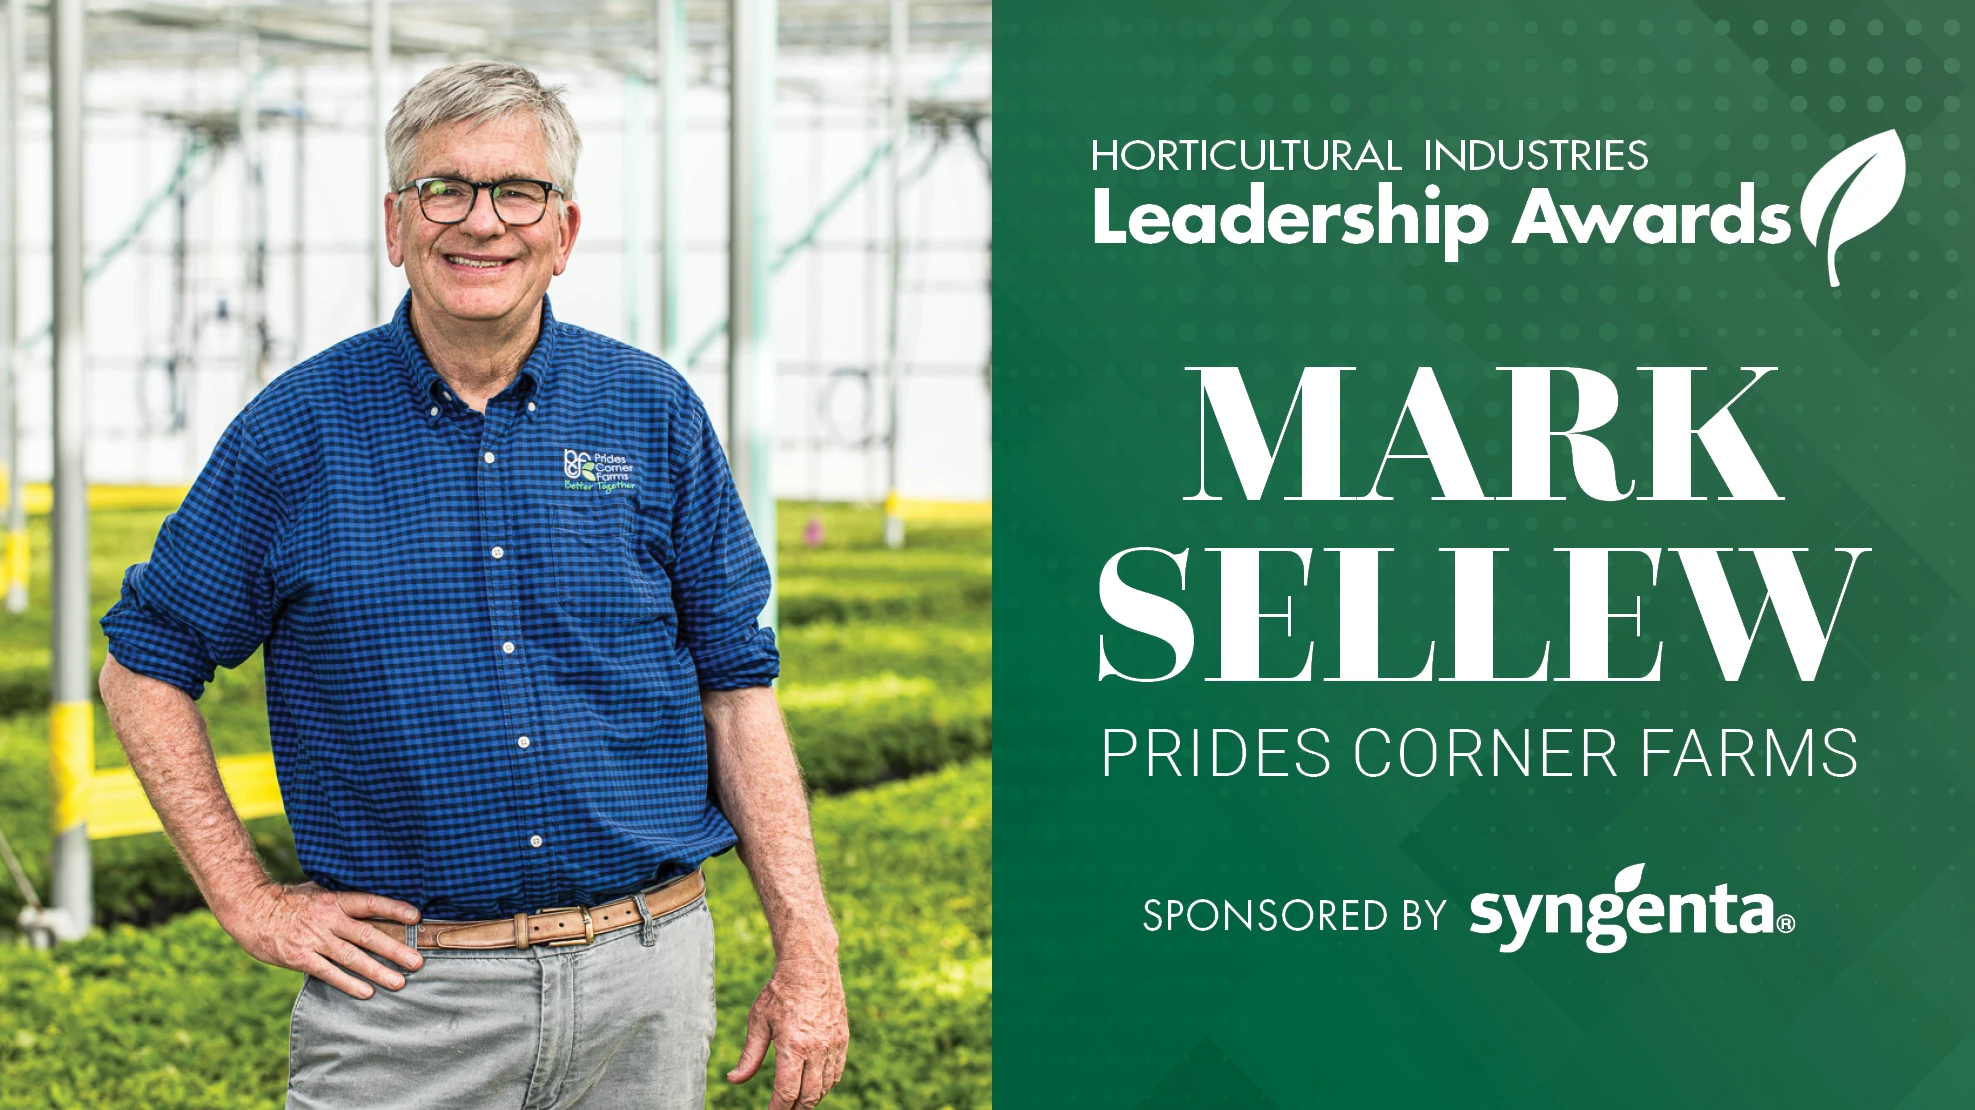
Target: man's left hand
{"type": "Point", "coordinates": [802, 1012]}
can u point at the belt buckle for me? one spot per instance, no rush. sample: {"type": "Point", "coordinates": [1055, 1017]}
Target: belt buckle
{"type": "Point", "coordinates": [589, 927]}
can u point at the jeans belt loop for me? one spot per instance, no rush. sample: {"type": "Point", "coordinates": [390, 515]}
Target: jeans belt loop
{"type": "Point", "coordinates": [648, 931]}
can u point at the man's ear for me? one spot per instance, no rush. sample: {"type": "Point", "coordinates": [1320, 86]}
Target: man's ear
{"type": "Point", "coordinates": [572, 221]}
{"type": "Point", "coordinates": [393, 241]}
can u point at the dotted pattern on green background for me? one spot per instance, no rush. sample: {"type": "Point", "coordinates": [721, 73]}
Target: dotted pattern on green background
{"type": "Point", "coordinates": [1861, 429]}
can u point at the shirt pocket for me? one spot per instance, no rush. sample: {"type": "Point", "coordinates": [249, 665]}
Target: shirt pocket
{"type": "Point", "coordinates": [598, 573]}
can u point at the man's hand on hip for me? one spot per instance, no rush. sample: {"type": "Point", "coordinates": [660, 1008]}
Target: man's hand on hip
{"type": "Point", "coordinates": [802, 1011]}
{"type": "Point", "coordinates": [302, 927]}
{"type": "Point", "coordinates": [322, 933]}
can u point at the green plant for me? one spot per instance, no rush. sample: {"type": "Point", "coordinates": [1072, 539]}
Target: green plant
{"type": "Point", "coordinates": [176, 1017]}
{"type": "Point", "coordinates": [909, 871]}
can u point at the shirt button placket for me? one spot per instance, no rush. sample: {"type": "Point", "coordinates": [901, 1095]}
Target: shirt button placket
{"type": "Point", "coordinates": [500, 482]}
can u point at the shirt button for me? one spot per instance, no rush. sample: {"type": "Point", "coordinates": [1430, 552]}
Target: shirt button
{"type": "Point", "coordinates": [531, 406]}
{"type": "Point", "coordinates": [523, 741]}
{"type": "Point", "coordinates": [435, 411]}
{"type": "Point", "coordinates": [534, 842]}
{"type": "Point", "coordinates": [489, 457]}
{"type": "Point", "coordinates": [498, 553]}
{"type": "Point", "coordinates": [507, 648]}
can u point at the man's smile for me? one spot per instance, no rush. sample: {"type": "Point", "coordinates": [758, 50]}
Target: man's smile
{"type": "Point", "coordinates": [477, 262]}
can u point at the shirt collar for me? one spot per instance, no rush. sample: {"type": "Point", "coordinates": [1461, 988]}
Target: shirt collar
{"type": "Point", "coordinates": [429, 390]}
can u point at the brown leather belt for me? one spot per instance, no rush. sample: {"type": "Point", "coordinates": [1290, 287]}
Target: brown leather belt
{"type": "Point", "coordinates": [554, 928]}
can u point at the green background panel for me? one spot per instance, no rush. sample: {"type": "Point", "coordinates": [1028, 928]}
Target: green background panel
{"type": "Point", "coordinates": [1871, 1000]}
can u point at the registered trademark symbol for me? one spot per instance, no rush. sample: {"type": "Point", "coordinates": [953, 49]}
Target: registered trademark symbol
{"type": "Point", "coordinates": [1786, 923]}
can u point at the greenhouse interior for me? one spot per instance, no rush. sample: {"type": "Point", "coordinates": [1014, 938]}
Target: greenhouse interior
{"type": "Point", "coordinates": [786, 200]}
{"type": "Point", "coordinates": [224, 160]}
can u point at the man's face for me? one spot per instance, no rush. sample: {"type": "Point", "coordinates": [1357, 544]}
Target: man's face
{"type": "Point", "coordinates": [481, 268]}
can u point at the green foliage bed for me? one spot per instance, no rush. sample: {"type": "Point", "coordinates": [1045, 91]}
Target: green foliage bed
{"type": "Point", "coordinates": [175, 1017]}
{"type": "Point", "coordinates": [886, 676]}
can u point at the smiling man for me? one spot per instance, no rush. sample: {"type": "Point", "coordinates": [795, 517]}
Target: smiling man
{"type": "Point", "coordinates": [517, 689]}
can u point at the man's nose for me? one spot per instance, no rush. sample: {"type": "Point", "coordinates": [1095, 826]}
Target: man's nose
{"type": "Point", "coordinates": [481, 219]}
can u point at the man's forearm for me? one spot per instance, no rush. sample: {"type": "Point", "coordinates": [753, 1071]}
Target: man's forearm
{"type": "Point", "coordinates": [164, 735]}
{"type": "Point", "coordinates": [759, 786]}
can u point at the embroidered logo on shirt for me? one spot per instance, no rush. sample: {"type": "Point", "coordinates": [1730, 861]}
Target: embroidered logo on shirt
{"type": "Point", "coordinates": [596, 471]}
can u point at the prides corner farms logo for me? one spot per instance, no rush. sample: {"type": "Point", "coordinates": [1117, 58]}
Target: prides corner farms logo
{"type": "Point", "coordinates": [597, 471]}
{"type": "Point", "coordinates": [1609, 919]}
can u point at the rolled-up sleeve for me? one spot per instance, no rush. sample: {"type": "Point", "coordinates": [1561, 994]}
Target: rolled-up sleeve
{"type": "Point", "coordinates": [720, 581]}
{"type": "Point", "coordinates": [206, 598]}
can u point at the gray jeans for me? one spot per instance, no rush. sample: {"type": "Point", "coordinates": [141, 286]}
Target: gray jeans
{"type": "Point", "coordinates": [604, 1025]}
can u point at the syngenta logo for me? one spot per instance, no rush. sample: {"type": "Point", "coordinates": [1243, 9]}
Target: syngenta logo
{"type": "Point", "coordinates": [1609, 919]}
{"type": "Point", "coordinates": [1850, 195]}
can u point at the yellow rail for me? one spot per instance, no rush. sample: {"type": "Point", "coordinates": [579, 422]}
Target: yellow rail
{"type": "Point", "coordinates": [39, 497]}
{"type": "Point", "coordinates": [956, 512]}
{"type": "Point", "coordinates": [117, 806]}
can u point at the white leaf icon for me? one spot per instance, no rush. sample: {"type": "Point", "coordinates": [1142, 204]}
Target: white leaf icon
{"type": "Point", "coordinates": [1628, 879]}
{"type": "Point", "coordinates": [1876, 171]}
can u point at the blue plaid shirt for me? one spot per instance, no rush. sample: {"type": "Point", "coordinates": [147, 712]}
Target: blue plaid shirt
{"type": "Point", "coordinates": [486, 635]}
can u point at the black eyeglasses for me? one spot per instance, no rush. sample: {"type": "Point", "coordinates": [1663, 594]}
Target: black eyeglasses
{"type": "Point", "coordinates": [518, 201]}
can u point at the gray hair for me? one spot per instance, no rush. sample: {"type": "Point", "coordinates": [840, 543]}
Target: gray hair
{"type": "Point", "coordinates": [475, 93]}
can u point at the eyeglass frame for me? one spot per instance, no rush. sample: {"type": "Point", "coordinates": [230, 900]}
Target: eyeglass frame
{"type": "Point", "coordinates": [474, 200]}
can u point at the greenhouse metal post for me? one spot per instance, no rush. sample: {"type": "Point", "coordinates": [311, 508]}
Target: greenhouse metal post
{"type": "Point", "coordinates": [380, 64]}
{"type": "Point", "coordinates": [671, 26]}
{"type": "Point", "coordinates": [253, 225]}
{"type": "Point", "coordinates": [13, 57]}
{"type": "Point", "coordinates": [636, 246]}
{"type": "Point", "coordinates": [750, 348]}
{"type": "Point", "coordinates": [72, 756]}
{"type": "Point", "coordinates": [298, 281]}
{"type": "Point", "coordinates": [894, 511]}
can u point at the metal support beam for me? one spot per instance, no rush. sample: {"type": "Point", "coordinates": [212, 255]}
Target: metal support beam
{"type": "Point", "coordinates": [670, 18]}
{"type": "Point", "coordinates": [71, 720]}
{"type": "Point", "coordinates": [750, 348]}
{"type": "Point", "coordinates": [380, 64]}
{"type": "Point", "coordinates": [13, 58]}
{"type": "Point", "coordinates": [636, 180]}
{"type": "Point", "coordinates": [253, 224]}
{"type": "Point", "coordinates": [299, 260]}
{"type": "Point", "coordinates": [894, 512]}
